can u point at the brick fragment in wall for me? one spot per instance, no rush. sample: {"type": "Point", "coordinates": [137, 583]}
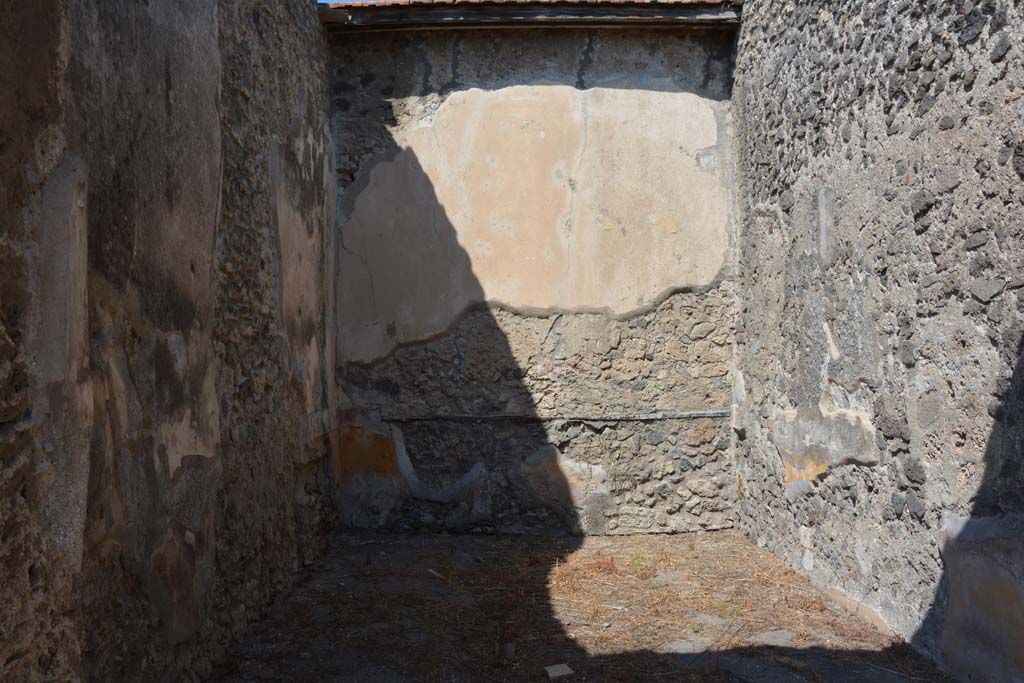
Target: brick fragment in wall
{"type": "Point", "coordinates": [910, 323]}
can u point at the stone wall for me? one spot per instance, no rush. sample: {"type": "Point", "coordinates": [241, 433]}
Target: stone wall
{"type": "Point", "coordinates": [501, 423]}
{"type": "Point", "coordinates": [881, 158]}
{"type": "Point", "coordinates": [44, 403]}
{"type": "Point", "coordinates": [521, 305]}
{"type": "Point", "coordinates": [165, 335]}
{"type": "Point", "coordinates": [534, 294]}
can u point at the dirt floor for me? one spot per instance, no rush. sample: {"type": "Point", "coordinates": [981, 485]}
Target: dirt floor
{"type": "Point", "coordinates": [697, 607]}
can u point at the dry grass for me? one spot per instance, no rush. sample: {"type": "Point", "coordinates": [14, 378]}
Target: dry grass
{"type": "Point", "coordinates": [659, 581]}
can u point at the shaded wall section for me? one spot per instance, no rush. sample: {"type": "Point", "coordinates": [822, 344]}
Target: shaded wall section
{"type": "Point", "coordinates": [534, 229]}
{"type": "Point", "coordinates": [45, 406]}
{"type": "Point", "coordinates": [881, 160]}
{"type": "Point", "coordinates": [168, 344]}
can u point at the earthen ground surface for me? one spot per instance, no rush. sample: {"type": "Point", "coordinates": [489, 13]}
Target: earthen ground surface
{"type": "Point", "coordinates": [694, 607]}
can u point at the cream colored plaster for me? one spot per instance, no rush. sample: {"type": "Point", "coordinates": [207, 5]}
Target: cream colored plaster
{"type": "Point", "coordinates": [305, 257]}
{"type": "Point", "coordinates": [538, 198]}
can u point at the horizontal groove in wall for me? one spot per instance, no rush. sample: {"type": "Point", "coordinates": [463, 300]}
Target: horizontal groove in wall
{"type": "Point", "coordinates": [500, 417]}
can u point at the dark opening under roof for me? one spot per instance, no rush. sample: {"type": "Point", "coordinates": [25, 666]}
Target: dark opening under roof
{"type": "Point", "coordinates": [441, 14]}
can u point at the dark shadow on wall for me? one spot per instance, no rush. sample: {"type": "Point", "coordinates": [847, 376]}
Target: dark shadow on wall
{"type": "Point", "coordinates": [976, 620]}
{"type": "Point", "coordinates": [440, 434]}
